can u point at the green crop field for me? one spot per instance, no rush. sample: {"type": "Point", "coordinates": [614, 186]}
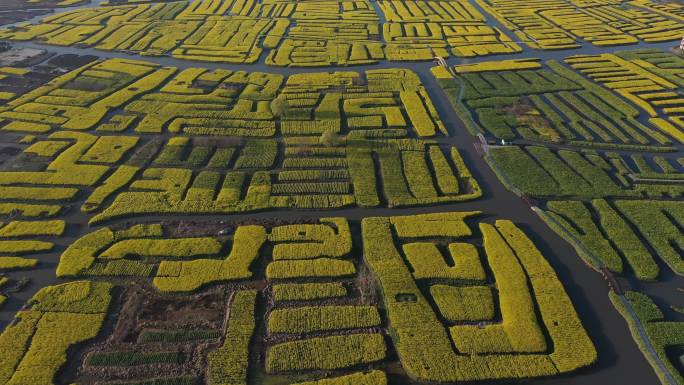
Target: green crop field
{"type": "Point", "coordinates": [597, 141]}
{"type": "Point", "coordinates": [547, 101]}
{"type": "Point", "coordinates": [341, 192]}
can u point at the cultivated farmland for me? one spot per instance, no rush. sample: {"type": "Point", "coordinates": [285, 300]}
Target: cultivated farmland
{"type": "Point", "coordinates": [599, 145]}
{"type": "Point", "coordinates": [352, 192]}
{"type": "Point", "coordinates": [333, 32]}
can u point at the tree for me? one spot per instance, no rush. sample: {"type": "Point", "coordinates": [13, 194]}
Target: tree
{"type": "Point", "coordinates": [279, 106]}
{"type": "Point", "coordinates": [330, 138]}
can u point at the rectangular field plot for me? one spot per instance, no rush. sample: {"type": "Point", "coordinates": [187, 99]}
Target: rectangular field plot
{"type": "Point", "coordinates": [559, 24]}
{"type": "Point", "coordinates": [323, 297]}
{"type": "Point", "coordinates": [549, 102]}
{"type": "Point", "coordinates": [24, 246]}
{"type": "Point", "coordinates": [21, 242]}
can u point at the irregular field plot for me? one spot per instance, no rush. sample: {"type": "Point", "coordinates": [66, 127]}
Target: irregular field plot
{"type": "Point", "coordinates": [586, 174]}
{"type": "Point", "coordinates": [548, 101]}
{"type": "Point", "coordinates": [446, 297]}
{"type": "Point", "coordinates": [308, 33]}
{"type": "Point", "coordinates": [334, 32]}
{"type": "Point", "coordinates": [559, 24]}
{"type": "Point", "coordinates": [476, 295]}
{"type": "Point", "coordinates": [629, 228]}
{"type": "Point", "coordinates": [558, 105]}
{"type": "Point", "coordinates": [621, 210]}
{"type": "Point", "coordinates": [14, 11]}
{"type": "Point", "coordinates": [663, 334]}
{"type": "Point", "coordinates": [513, 347]}
{"type": "Point", "coordinates": [307, 141]}
{"type": "Point", "coordinates": [650, 79]}
{"type": "Point", "coordinates": [418, 30]}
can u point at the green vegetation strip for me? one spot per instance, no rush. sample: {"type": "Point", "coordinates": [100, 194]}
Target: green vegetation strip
{"type": "Point", "coordinates": [651, 333]}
